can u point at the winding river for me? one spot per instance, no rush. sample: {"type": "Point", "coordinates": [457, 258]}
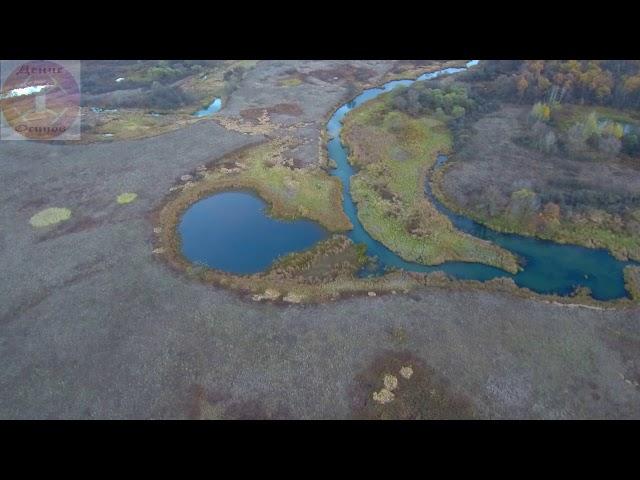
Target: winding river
{"type": "Point", "coordinates": [548, 267]}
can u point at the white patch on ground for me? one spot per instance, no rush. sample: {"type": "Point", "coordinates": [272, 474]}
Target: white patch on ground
{"type": "Point", "coordinates": [383, 396]}
{"type": "Point", "coordinates": [292, 297]}
{"type": "Point", "coordinates": [406, 372]}
{"type": "Point", "coordinates": [269, 294]}
{"type": "Point", "coordinates": [390, 382]}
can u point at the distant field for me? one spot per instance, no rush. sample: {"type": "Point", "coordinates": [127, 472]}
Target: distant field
{"type": "Point", "coordinates": [146, 98]}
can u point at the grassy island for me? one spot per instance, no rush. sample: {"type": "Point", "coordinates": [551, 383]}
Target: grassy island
{"type": "Point", "coordinates": [394, 152]}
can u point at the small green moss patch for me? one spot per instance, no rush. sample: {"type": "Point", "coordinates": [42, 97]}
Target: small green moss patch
{"type": "Point", "coordinates": [50, 216]}
{"type": "Point", "coordinates": [291, 82]}
{"type": "Point", "coordinates": [125, 198]}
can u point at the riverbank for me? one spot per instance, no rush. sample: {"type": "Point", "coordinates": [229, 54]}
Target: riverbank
{"type": "Point", "coordinates": [326, 272]}
{"type": "Point", "coordinates": [410, 69]}
{"type": "Point", "coordinates": [323, 272]}
{"type": "Point", "coordinates": [632, 282]}
{"type": "Point", "coordinates": [393, 153]}
{"type": "Point", "coordinates": [380, 284]}
{"type": "Point", "coordinates": [291, 192]}
{"type": "Point", "coordinates": [485, 182]}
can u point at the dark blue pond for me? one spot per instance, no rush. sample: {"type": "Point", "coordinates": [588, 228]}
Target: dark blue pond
{"type": "Point", "coordinates": [231, 231]}
{"type": "Point", "coordinates": [212, 108]}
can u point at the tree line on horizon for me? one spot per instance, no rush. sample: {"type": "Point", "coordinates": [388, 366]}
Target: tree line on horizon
{"type": "Point", "coordinates": [614, 83]}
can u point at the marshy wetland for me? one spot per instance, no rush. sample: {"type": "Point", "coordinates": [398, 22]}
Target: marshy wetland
{"type": "Point", "coordinates": [104, 317]}
{"type": "Point", "coordinates": [385, 170]}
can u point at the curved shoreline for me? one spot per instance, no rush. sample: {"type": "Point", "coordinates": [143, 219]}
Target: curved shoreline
{"type": "Point", "coordinates": [438, 191]}
{"type": "Point", "coordinates": [167, 247]}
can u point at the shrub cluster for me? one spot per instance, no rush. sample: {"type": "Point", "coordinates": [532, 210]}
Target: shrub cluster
{"type": "Point", "coordinates": [451, 101]}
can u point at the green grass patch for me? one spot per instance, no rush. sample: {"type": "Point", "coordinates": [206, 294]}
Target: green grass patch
{"type": "Point", "coordinates": [290, 82]}
{"type": "Point", "coordinates": [125, 198]}
{"type": "Point", "coordinates": [394, 152]}
{"type": "Point", "coordinates": [566, 115]}
{"type": "Point", "coordinates": [135, 123]}
{"type": "Point", "coordinates": [50, 216]}
{"type": "Point", "coordinates": [291, 192]}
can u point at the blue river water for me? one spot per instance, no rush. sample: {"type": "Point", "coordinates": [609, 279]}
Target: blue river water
{"type": "Point", "coordinates": [230, 231]}
{"type": "Point", "coordinates": [212, 108]}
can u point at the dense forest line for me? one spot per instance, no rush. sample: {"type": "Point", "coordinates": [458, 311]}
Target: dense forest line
{"type": "Point", "coordinates": [572, 116]}
{"type": "Point", "coordinates": [613, 83]}
{"type": "Point", "coordinates": [574, 103]}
